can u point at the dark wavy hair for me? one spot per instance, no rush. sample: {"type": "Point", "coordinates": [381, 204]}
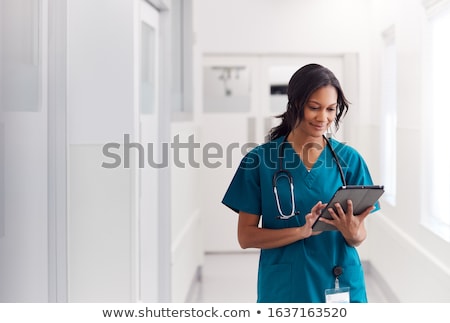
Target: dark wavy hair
{"type": "Point", "coordinates": [302, 84]}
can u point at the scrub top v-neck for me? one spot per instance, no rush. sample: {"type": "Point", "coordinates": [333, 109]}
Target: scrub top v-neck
{"type": "Point", "coordinates": [301, 271]}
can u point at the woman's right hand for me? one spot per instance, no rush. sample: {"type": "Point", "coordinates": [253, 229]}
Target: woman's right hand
{"type": "Point", "coordinates": [311, 218]}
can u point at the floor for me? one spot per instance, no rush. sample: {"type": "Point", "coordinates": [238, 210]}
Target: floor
{"type": "Point", "coordinates": [231, 278]}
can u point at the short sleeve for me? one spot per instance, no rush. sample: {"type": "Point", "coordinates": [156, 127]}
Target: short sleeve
{"type": "Point", "coordinates": [244, 191]}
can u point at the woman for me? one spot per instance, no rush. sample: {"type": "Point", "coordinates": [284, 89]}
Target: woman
{"type": "Point", "coordinates": [296, 263]}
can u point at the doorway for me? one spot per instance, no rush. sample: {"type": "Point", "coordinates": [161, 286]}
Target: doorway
{"type": "Point", "coordinates": [148, 131]}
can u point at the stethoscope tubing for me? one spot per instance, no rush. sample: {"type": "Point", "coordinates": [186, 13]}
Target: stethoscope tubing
{"type": "Point", "coordinates": [281, 172]}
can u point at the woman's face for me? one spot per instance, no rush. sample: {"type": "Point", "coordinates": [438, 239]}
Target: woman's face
{"type": "Point", "coordinates": [319, 111]}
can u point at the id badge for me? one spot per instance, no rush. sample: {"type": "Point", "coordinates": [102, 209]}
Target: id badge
{"type": "Point", "coordinates": [337, 295]}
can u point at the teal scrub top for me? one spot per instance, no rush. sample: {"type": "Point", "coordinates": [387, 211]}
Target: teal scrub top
{"type": "Point", "coordinates": [299, 272]}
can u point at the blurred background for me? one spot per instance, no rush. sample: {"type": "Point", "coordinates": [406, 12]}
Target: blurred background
{"type": "Point", "coordinates": [122, 123]}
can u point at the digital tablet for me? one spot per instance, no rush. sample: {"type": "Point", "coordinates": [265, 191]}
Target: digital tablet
{"type": "Point", "coordinates": [362, 196]}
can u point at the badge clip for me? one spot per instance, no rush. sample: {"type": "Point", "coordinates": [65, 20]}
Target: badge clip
{"type": "Point", "coordinates": [337, 294]}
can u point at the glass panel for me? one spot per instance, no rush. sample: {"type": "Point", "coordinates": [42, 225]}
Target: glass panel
{"type": "Point", "coordinates": [279, 77]}
{"type": "Point", "coordinates": [148, 77]}
{"type": "Point", "coordinates": [182, 51]}
{"type": "Point", "coordinates": [226, 89]}
{"type": "Point", "coordinates": [20, 59]}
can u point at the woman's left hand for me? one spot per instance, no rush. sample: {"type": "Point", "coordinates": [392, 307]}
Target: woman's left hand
{"type": "Point", "coordinates": [350, 225]}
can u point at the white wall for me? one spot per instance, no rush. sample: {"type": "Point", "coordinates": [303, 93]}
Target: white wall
{"type": "Point", "coordinates": [114, 213]}
{"type": "Point", "coordinates": [187, 225]}
{"type": "Point", "coordinates": [100, 103]}
{"type": "Point", "coordinates": [401, 249]}
{"type": "Point", "coordinates": [102, 249]}
{"type": "Point", "coordinates": [116, 253]}
{"type": "Point", "coordinates": [24, 231]}
{"type": "Point", "coordinates": [103, 255]}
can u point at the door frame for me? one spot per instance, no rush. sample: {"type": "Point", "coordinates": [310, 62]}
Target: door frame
{"type": "Point", "coordinates": [57, 152]}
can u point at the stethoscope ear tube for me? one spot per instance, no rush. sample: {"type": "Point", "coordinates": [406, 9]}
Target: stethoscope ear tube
{"type": "Point", "coordinates": [341, 172]}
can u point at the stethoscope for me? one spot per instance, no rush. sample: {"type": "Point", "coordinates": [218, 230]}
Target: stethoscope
{"type": "Point", "coordinates": [281, 172]}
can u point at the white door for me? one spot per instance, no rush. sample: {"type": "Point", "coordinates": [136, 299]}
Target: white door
{"type": "Point", "coordinates": [238, 111]}
{"type": "Point", "coordinates": [24, 243]}
{"type": "Point", "coordinates": [147, 224]}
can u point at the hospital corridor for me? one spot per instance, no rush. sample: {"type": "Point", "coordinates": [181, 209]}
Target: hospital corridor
{"type": "Point", "coordinates": [182, 151]}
